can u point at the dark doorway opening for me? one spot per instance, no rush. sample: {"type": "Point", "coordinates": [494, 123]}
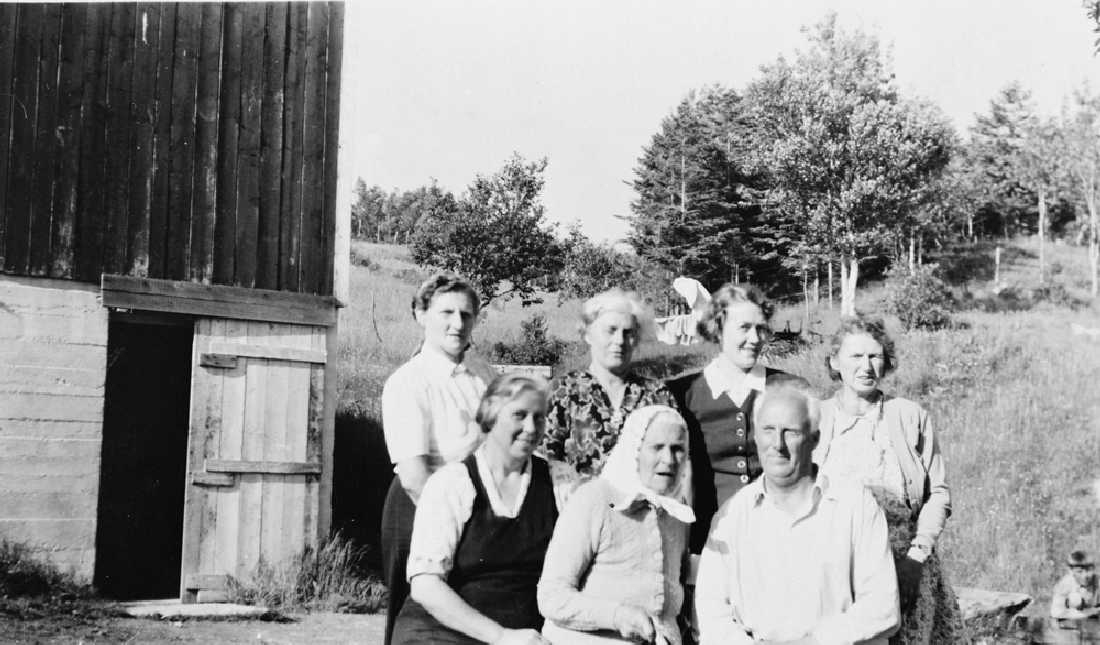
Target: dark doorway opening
{"type": "Point", "coordinates": [139, 532]}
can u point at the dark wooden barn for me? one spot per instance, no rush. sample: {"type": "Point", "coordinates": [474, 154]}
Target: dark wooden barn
{"type": "Point", "coordinates": [168, 227]}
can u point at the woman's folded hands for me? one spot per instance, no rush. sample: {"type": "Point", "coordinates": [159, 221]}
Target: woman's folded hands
{"type": "Point", "coordinates": [633, 623]}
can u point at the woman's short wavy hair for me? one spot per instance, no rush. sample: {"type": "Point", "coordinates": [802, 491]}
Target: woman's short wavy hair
{"type": "Point", "coordinates": [713, 318]}
{"type": "Point", "coordinates": [618, 300]}
{"type": "Point", "coordinates": [862, 324]}
{"type": "Point", "coordinates": [443, 283]}
{"type": "Point", "coordinates": [504, 389]}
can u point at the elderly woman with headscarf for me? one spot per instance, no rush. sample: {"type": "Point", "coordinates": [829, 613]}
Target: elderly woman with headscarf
{"type": "Point", "coordinates": [888, 444]}
{"type": "Point", "coordinates": [614, 570]}
{"type": "Point", "coordinates": [588, 407]}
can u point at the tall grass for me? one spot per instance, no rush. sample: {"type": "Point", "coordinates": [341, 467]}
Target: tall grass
{"type": "Point", "coordinates": [1013, 396]}
{"type": "Point", "coordinates": [332, 577]}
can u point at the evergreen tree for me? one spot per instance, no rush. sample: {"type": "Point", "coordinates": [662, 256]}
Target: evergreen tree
{"type": "Point", "coordinates": [997, 145]}
{"type": "Point", "coordinates": [696, 204]}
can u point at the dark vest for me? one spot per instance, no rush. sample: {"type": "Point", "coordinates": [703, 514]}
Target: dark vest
{"type": "Point", "coordinates": [497, 563]}
{"type": "Point", "coordinates": [722, 447]}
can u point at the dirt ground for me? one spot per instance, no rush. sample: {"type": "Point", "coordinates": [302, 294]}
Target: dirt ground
{"type": "Point", "coordinates": [101, 627]}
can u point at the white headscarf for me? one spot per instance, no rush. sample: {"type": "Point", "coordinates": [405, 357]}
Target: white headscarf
{"type": "Point", "coordinates": [621, 468]}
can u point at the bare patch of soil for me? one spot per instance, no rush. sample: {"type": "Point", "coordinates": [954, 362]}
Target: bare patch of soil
{"type": "Point", "coordinates": [22, 621]}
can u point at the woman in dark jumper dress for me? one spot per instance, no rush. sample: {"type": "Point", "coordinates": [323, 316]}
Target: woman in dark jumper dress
{"type": "Point", "coordinates": [481, 530]}
{"type": "Point", "coordinates": [717, 402]}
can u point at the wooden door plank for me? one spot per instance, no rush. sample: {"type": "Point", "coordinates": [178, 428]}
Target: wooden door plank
{"type": "Point", "coordinates": [290, 205]}
{"type": "Point", "coordinates": [298, 511]}
{"type": "Point", "coordinates": [45, 145]}
{"type": "Point", "coordinates": [70, 120]}
{"type": "Point", "coordinates": [275, 448]}
{"type": "Point", "coordinates": [225, 222]}
{"type": "Point", "coordinates": [251, 520]}
{"type": "Point", "coordinates": [248, 143]}
{"type": "Point", "coordinates": [205, 187]}
{"type": "Point", "coordinates": [274, 465]}
{"type": "Point", "coordinates": [147, 24]}
{"type": "Point", "coordinates": [9, 22]}
{"type": "Point", "coordinates": [314, 432]}
{"type": "Point", "coordinates": [271, 352]}
{"type": "Point", "coordinates": [216, 398]}
{"type": "Point", "coordinates": [199, 524]}
{"type": "Point", "coordinates": [332, 145]}
{"type": "Point", "coordinates": [271, 145]}
{"type": "Point", "coordinates": [316, 438]}
{"type": "Point", "coordinates": [212, 479]}
{"type": "Point", "coordinates": [297, 421]}
{"type": "Point", "coordinates": [22, 209]}
{"type": "Point", "coordinates": [206, 581]}
{"type": "Point", "coordinates": [229, 503]}
{"type": "Point", "coordinates": [162, 135]}
{"type": "Point", "coordinates": [185, 67]}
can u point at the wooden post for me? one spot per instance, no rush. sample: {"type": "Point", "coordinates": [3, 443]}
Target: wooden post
{"type": "Point", "coordinates": [1042, 235]}
{"type": "Point", "coordinates": [997, 266]}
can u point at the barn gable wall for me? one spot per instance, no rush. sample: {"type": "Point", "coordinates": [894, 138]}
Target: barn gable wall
{"type": "Point", "coordinates": [53, 353]}
{"type": "Point", "coordinates": [180, 141]}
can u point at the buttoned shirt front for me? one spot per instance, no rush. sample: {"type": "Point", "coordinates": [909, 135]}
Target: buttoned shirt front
{"type": "Point", "coordinates": [825, 570]}
{"type": "Point", "coordinates": [429, 405]}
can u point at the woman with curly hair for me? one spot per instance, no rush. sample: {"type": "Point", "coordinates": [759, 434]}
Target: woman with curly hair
{"type": "Point", "coordinates": [717, 402]}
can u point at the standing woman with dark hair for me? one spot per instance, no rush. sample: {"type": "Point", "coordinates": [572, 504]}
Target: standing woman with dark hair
{"type": "Point", "coordinates": [887, 444]}
{"type": "Point", "coordinates": [482, 529]}
{"type": "Point", "coordinates": [717, 402]}
{"type": "Point", "coordinates": [428, 408]}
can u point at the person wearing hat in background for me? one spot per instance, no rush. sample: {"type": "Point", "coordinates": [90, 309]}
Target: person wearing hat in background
{"type": "Point", "coordinates": [1076, 595]}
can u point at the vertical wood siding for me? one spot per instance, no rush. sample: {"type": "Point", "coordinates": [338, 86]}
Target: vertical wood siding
{"type": "Point", "coordinates": [181, 141]}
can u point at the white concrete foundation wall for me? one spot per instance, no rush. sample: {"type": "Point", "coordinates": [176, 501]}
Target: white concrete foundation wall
{"type": "Point", "coordinates": [53, 357]}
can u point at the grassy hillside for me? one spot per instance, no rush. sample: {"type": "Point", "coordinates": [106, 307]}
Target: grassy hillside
{"type": "Point", "coordinates": [1013, 395]}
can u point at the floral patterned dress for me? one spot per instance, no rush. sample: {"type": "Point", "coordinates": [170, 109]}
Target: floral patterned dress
{"type": "Point", "coordinates": [582, 426]}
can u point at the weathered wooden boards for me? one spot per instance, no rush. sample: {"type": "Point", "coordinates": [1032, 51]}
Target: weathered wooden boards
{"type": "Point", "coordinates": [183, 141]}
{"type": "Point", "coordinates": [53, 347]}
{"type": "Point", "coordinates": [169, 296]}
{"type": "Point", "coordinates": [254, 459]}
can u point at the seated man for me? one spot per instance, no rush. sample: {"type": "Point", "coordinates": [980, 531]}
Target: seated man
{"type": "Point", "coordinates": [1076, 594]}
{"type": "Point", "coordinates": [794, 557]}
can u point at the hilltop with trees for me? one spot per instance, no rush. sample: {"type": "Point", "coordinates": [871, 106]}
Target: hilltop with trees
{"type": "Point", "coordinates": [818, 173]}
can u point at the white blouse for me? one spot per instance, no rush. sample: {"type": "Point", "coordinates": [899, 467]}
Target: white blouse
{"type": "Point", "coordinates": [429, 405]}
{"type": "Point", "coordinates": [860, 449]}
{"type": "Point", "coordinates": [445, 506]}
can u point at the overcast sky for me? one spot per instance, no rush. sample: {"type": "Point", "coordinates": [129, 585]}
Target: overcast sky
{"type": "Point", "coordinates": [450, 88]}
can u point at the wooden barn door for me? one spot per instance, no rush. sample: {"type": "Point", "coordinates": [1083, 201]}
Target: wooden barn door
{"type": "Point", "coordinates": [254, 452]}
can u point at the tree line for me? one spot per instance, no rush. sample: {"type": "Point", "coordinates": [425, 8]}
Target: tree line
{"type": "Point", "coordinates": [821, 168]}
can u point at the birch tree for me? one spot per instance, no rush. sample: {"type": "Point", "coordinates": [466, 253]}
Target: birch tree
{"type": "Point", "coordinates": [1081, 130]}
{"type": "Point", "coordinates": [848, 161]}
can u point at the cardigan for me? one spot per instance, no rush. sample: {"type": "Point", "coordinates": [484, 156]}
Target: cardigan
{"type": "Point", "coordinates": [603, 556]}
{"type": "Point", "coordinates": [919, 455]}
